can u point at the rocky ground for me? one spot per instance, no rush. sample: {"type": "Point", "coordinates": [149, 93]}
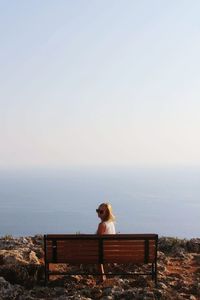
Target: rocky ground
{"type": "Point", "coordinates": [22, 274]}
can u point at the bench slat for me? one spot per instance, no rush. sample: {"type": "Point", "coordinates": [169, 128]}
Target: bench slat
{"type": "Point", "coordinates": [95, 237]}
{"type": "Point", "coordinates": [123, 260]}
{"type": "Point", "coordinates": [128, 243]}
{"type": "Point", "coordinates": [78, 260]}
{"type": "Point", "coordinates": [120, 247]}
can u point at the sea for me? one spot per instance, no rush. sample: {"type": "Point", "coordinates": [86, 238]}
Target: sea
{"type": "Point", "coordinates": [165, 201]}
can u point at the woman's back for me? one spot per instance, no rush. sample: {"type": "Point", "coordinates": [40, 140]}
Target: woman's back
{"type": "Point", "coordinates": [109, 227]}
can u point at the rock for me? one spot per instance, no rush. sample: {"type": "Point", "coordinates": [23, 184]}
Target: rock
{"type": "Point", "coordinates": [86, 292]}
{"type": "Point", "coordinates": [33, 259]}
{"type": "Point", "coordinates": [162, 286]}
{"type": "Point", "coordinates": [193, 245]}
{"type": "Point", "coordinates": [19, 263]}
{"type": "Point", "coordinates": [172, 246]}
{"type": "Point", "coordinates": [22, 274]}
{"type": "Point", "coordinates": [107, 291]}
{"type": "Point", "coordinates": [9, 291]}
{"type": "Point", "coordinates": [96, 293]}
{"type": "Point", "coordinates": [12, 257]}
{"type": "Point", "coordinates": [192, 297]}
{"type": "Point", "coordinates": [195, 289]}
{"type": "Point", "coordinates": [18, 257]}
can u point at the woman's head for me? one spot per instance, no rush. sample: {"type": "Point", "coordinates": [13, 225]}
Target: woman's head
{"type": "Point", "coordinates": [105, 212]}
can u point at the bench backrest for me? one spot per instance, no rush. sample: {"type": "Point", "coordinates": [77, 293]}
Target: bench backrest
{"type": "Point", "coordinates": [119, 248]}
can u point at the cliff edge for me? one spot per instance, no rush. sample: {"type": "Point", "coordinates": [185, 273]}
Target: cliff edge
{"type": "Point", "coordinates": [22, 274]}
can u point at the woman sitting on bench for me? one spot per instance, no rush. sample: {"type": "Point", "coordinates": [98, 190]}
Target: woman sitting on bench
{"type": "Point", "coordinates": [106, 226]}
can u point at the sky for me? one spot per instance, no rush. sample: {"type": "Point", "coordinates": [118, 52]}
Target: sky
{"type": "Point", "coordinates": [99, 83]}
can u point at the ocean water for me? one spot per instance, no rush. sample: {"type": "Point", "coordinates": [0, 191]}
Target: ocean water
{"type": "Point", "coordinates": [163, 200]}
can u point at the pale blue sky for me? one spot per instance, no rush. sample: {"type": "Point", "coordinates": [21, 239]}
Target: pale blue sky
{"type": "Point", "coordinates": [89, 83]}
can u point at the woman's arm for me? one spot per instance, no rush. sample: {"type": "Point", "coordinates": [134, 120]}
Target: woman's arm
{"type": "Point", "coordinates": [101, 228]}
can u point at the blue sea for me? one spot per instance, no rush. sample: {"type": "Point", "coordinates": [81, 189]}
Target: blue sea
{"type": "Point", "coordinates": [145, 200]}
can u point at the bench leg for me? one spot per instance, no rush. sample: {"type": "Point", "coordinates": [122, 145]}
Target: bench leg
{"type": "Point", "coordinates": [46, 273]}
{"type": "Point", "coordinates": [154, 273]}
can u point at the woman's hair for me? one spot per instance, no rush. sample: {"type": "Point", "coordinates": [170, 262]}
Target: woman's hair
{"type": "Point", "coordinates": [109, 216]}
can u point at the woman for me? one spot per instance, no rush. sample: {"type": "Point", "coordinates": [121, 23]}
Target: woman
{"type": "Point", "coordinates": [106, 226]}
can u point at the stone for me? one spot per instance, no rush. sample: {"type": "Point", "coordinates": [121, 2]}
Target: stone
{"type": "Point", "coordinates": [192, 297]}
{"type": "Point", "coordinates": [193, 245]}
{"type": "Point", "coordinates": [9, 291]}
{"type": "Point", "coordinates": [22, 274]}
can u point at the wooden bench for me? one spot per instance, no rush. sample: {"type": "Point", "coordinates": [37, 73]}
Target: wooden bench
{"type": "Point", "coordinates": [94, 249]}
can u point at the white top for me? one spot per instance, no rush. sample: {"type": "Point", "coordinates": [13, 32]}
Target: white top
{"type": "Point", "coordinates": [110, 227]}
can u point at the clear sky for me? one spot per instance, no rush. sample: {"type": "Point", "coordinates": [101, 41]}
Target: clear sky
{"type": "Point", "coordinates": [98, 82]}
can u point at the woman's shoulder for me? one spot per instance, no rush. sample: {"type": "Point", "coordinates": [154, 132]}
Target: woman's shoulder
{"type": "Point", "coordinates": [109, 222]}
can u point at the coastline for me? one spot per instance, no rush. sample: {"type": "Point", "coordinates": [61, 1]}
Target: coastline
{"type": "Point", "coordinates": [22, 274]}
